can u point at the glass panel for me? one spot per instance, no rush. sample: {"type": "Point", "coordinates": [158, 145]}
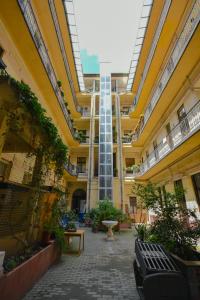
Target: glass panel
{"type": "Point", "coordinates": [102, 158]}
{"type": "Point", "coordinates": [102, 148]}
{"type": "Point", "coordinates": [102, 181]}
{"type": "Point", "coordinates": [109, 194]}
{"type": "Point", "coordinates": [105, 131]}
{"type": "Point", "coordinates": [102, 194]}
{"type": "Point", "coordinates": [102, 170]}
{"type": "Point", "coordinates": [108, 148]}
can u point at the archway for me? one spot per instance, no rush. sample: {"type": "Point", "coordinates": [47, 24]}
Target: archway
{"type": "Point", "coordinates": [79, 200]}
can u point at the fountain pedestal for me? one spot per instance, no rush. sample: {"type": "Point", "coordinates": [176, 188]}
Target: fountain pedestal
{"type": "Point", "coordinates": [110, 224]}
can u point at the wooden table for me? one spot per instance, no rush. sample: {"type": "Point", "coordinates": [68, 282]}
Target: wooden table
{"type": "Point", "coordinates": [79, 233]}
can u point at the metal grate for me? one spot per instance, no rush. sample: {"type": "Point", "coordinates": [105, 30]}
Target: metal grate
{"type": "Point", "coordinates": [153, 258]}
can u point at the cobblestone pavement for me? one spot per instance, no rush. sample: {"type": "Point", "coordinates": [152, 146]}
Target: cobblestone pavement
{"type": "Point", "coordinates": [103, 271]}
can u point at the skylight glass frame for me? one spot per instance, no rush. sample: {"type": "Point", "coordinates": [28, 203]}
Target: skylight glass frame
{"type": "Point", "coordinates": [144, 18]}
{"type": "Point", "coordinates": [71, 21]}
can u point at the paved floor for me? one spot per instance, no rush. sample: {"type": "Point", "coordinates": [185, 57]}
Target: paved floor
{"type": "Point", "coordinates": [103, 272]}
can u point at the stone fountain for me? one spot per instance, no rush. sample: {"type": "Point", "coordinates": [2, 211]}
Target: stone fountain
{"type": "Point", "coordinates": [110, 224]}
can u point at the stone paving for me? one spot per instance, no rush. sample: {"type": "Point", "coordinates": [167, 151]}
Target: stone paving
{"type": "Point", "coordinates": [103, 271]}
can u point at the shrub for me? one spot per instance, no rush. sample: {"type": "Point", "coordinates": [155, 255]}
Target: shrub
{"type": "Point", "coordinates": [171, 227]}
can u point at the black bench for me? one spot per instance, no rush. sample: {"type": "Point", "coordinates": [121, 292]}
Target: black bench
{"type": "Point", "coordinates": [157, 276]}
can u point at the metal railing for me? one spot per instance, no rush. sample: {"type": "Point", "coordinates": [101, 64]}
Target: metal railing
{"type": "Point", "coordinates": [86, 113]}
{"type": "Point", "coordinates": [64, 55]}
{"type": "Point", "coordinates": [181, 132]}
{"type": "Point", "coordinates": [178, 50]}
{"type": "Point", "coordinates": [126, 139]}
{"type": "Point", "coordinates": [124, 112]}
{"type": "Point", "coordinates": [71, 169]}
{"type": "Point", "coordinates": [32, 24]}
{"type": "Point", "coordinates": [81, 170]}
{"type": "Point", "coordinates": [85, 140]}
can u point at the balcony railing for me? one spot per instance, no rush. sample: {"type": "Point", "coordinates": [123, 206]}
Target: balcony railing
{"type": "Point", "coordinates": [181, 132]}
{"type": "Point", "coordinates": [126, 139]}
{"type": "Point", "coordinates": [86, 113]}
{"type": "Point", "coordinates": [125, 112]}
{"type": "Point", "coordinates": [178, 50]}
{"type": "Point", "coordinates": [82, 170]}
{"type": "Point", "coordinates": [62, 48]}
{"type": "Point", "coordinates": [71, 169]}
{"type": "Point", "coordinates": [31, 21]}
{"type": "Point", "coordinates": [85, 140]}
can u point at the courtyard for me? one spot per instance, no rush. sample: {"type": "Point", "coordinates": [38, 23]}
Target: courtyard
{"type": "Point", "coordinates": [103, 271]}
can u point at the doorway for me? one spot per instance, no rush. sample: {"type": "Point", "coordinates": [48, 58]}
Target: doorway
{"type": "Point", "coordinates": [79, 201]}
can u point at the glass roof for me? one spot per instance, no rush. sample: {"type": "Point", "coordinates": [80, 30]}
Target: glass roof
{"type": "Point", "coordinates": [69, 8]}
{"type": "Point", "coordinates": [146, 9]}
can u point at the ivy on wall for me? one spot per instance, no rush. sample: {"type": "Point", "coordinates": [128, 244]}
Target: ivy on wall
{"type": "Point", "coordinates": [51, 147]}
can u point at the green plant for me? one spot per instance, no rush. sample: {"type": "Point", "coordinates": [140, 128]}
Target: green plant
{"type": "Point", "coordinates": [51, 147]}
{"type": "Point", "coordinates": [106, 211]}
{"type": "Point", "coordinates": [59, 83]}
{"type": "Point", "coordinates": [142, 231]}
{"type": "Point", "coordinates": [171, 227]}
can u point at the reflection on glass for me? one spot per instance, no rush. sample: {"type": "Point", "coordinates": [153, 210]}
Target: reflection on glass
{"type": "Point", "coordinates": [102, 194]}
{"type": "Point", "coordinates": [102, 181]}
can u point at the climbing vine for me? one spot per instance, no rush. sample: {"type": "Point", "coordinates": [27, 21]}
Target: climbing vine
{"type": "Point", "coordinates": [51, 147]}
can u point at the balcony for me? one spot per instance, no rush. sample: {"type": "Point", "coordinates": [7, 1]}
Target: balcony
{"type": "Point", "coordinates": [71, 169]}
{"type": "Point", "coordinates": [86, 113]}
{"type": "Point", "coordinates": [64, 55]}
{"type": "Point", "coordinates": [124, 113]}
{"type": "Point", "coordinates": [180, 46]}
{"type": "Point", "coordinates": [126, 139]}
{"type": "Point", "coordinates": [178, 135]}
{"type": "Point", "coordinates": [82, 171]}
{"type": "Point", "coordinates": [31, 22]}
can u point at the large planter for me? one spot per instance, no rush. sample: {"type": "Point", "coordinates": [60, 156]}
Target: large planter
{"type": "Point", "coordinates": [191, 270]}
{"type": "Point", "coordinates": [15, 284]}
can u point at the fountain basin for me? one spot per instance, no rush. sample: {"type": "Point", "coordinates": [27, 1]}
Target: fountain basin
{"type": "Point", "coordinates": [110, 224]}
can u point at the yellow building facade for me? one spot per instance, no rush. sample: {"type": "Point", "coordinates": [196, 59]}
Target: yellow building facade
{"type": "Point", "coordinates": [155, 124]}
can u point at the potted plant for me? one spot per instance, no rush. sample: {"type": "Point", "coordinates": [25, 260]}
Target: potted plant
{"type": "Point", "coordinates": [71, 227]}
{"type": "Point", "coordinates": [95, 225]}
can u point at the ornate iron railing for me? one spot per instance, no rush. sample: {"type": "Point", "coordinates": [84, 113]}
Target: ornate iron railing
{"type": "Point", "coordinates": [181, 132]}
{"type": "Point", "coordinates": [71, 169]}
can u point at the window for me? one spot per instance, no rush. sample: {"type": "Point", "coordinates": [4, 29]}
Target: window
{"type": "Point", "coordinates": [196, 185]}
{"type": "Point", "coordinates": [179, 191]}
{"type": "Point", "coordinates": [133, 205]}
{"type": "Point", "coordinates": [155, 147]}
{"type": "Point", "coordinates": [81, 164]}
{"type": "Point", "coordinates": [169, 137]}
{"type": "Point", "coordinates": [182, 116]}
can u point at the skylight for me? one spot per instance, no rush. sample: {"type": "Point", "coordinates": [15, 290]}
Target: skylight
{"type": "Point", "coordinates": [107, 30]}
{"type": "Point", "coordinates": [69, 8]}
{"type": "Point", "coordinates": [146, 9]}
